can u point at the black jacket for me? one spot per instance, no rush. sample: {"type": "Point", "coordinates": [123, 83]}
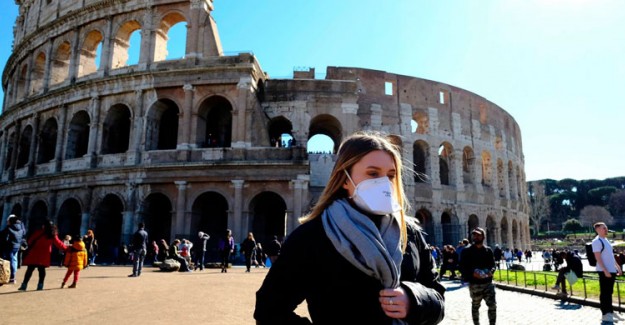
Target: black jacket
{"type": "Point", "coordinates": [575, 264]}
{"type": "Point", "coordinates": [310, 268]}
{"type": "Point", "coordinates": [477, 258]}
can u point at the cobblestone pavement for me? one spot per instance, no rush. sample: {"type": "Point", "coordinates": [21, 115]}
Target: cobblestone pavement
{"type": "Point", "coordinates": [107, 295]}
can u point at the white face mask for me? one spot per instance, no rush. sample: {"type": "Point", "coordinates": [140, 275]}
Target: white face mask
{"type": "Point", "coordinates": [375, 195]}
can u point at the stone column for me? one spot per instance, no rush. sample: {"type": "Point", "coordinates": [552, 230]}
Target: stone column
{"type": "Point", "coordinates": [184, 130]}
{"type": "Point", "coordinates": [106, 59]}
{"type": "Point", "coordinates": [129, 223]}
{"type": "Point", "coordinates": [240, 225]}
{"type": "Point", "coordinates": [245, 87]}
{"type": "Point", "coordinates": [52, 197]}
{"type": "Point", "coordinates": [298, 186]}
{"type": "Point", "coordinates": [376, 117]}
{"type": "Point", "coordinates": [86, 213]}
{"type": "Point", "coordinates": [435, 172]}
{"type": "Point", "coordinates": [16, 142]}
{"type": "Point", "coordinates": [32, 159]}
{"type": "Point", "coordinates": [457, 169]}
{"type": "Point", "coordinates": [181, 202]}
{"type": "Point", "coordinates": [92, 151]}
{"type": "Point", "coordinates": [60, 140]}
{"type": "Point", "coordinates": [193, 32]}
{"type": "Point", "coordinates": [351, 117]}
{"type": "Point", "coordinates": [137, 130]}
{"type": "Point", "coordinates": [74, 59]}
{"type": "Point", "coordinates": [3, 151]}
{"type": "Point", "coordinates": [46, 76]}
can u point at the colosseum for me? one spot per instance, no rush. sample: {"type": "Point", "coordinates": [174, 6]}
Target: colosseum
{"type": "Point", "coordinates": [210, 141]}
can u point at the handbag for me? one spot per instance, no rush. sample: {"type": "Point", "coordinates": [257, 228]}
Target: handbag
{"type": "Point", "coordinates": [571, 277]}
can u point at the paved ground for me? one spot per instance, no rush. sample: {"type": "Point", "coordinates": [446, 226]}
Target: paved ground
{"type": "Point", "coordinates": [107, 295]}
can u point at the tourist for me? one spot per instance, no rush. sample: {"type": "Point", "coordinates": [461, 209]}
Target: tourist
{"type": "Point", "coordinates": [199, 249]}
{"type": "Point", "coordinates": [91, 245]}
{"type": "Point", "coordinates": [260, 255]}
{"type": "Point", "coordinates": [247, 248]}
{"type": "Point", "coordinates": [607, 270]}
{"type": "Point", "coordinates": [273, 249]}
{"type": "Point", "coordinates": [13, 235]}
{"type": "Point", "coordinates": [173, 254]}
{"type": "Point", "coordinates": [39, 251]}
{"type": "Point", "coordinates": [139, 249]}
{"type": "Point", "coordinates": [75, 260]}
{"type": "Point", "coordinates": [346, 257]}
{"type": "Point", "coordinates": [497, 254]}
{"type": "Point", "coordinates": [573, 264]}
{"type": "Point", "coordinates": [450, 261]}
{"type": "Point", "coordinates": [478, 265]}
{"type": "Point", "coordinates": [226, 247]}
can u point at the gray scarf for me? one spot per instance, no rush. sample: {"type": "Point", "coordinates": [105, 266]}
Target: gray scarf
{"type": "Point", "coordinates": [375, 252]}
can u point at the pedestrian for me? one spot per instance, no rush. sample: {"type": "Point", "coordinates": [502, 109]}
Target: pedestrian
{"type": "Point", "coordinates": [91, 245]}
{"type": "Point", "coordinates": [356, 258]}
{"type": "Point", "coordinates": [498, 254]}
{"type": "Point", "coordinates": [259, 255]}
{"type": "Point", "coordinates": [273, 249]}
{"type": "Point", "coordinates": [507, 255]}
{"type": "Point", "coordinates": [247, 248]}
{"type": "Point", "coordinates": [13, 236]}
{"type": "Point", "coordinates": [139, 249]}
{"type": "Point", "coordinates": [39, 251]}
{"type": "Point", "coordinates": [573, 264]}
{"type": "Point", "coordinates": [75, 260]}
{"type": "Point", "coordinates": [608, 269]}
{"type": "Point", "coordinates": [226, 247]}
{"type": "Point", "coordinates": [173, 254]}
{"type": "Point", "coordinates": [200, 249]}
{"type": "Point", "coordinates": [478, 265]}
{"type": "Point", "coordinates": [450, 261]}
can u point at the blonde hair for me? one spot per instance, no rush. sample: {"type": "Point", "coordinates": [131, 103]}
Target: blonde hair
{"type": "Point", "coordinates": [350, 152]}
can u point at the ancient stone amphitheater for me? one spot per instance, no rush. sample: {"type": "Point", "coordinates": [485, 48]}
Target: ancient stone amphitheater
{"type": "Point", "coordinates": [190, 144]}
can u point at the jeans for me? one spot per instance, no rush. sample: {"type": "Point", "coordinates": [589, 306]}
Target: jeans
{"type": "Point", "coordinates": [199, 260]}
{"type": "Point", "coordinates": [606, 288]}
{"type": "Point", "coordinates": [11, 255]}
{"type": "Point", "coordinates": [137, 263]}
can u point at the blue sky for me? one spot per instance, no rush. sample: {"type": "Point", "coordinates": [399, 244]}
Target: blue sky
{"type": "Point", "coordinates": [557, 66]}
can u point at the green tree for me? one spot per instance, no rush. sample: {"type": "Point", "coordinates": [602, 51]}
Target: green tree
{"type": "Point", "coordinates": [572, 225]}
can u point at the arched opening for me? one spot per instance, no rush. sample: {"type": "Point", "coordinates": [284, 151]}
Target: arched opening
{"type": "Point", "coordinates": [78, 136]}
{"type": "Point", "coordinates": [162, 125]}
{"type": "Point", "coordinates": [210, 215]}
{"type": "Point", "coordinates": [504, 233]}
{"type": "Point", "coordinates": [47, 141]}
{"type": "Point", "coordinates": [38, 215]}
{"type": "Point", "coordinates": [24, 147]}
{"type": "Point", "coordinates": [22, 82]}
{"type": "Point", "coordinates": [487, 169]}
{"type": "Point", "coordinates": [280, 132]}
{"type": "Point", "coordinates": [125, 48]}
{"type": "Point", "coordinates": [10, 150]}
{"type": "Point", "coordinates": [427, 223]}
{"type": "Point", "coordinates": [173, 26]}
{"type": "Point", "coordinates": [445, 160]}
{"type": "Point", "coordinates": [519, 182]}
{"type": "Point", "coordinates": [500, 179]}
{"type": "Point", "coordinates": [452, 230]}
{"type": "Point", "coordinates": [90, 53]}
{"type": "Point", "coordinates": [268, 212]}
{"type": "Point", "coordinates": [156, 212]}
{"type": "Point", "coordinates": [69, 218]}
{"type": "Point", "coordinates": [515, 234]}
{"type": "Point", "coordinates": [327, 125]}
{"type": "Point", "coordinates": [420, 153]}
{"type": "Point", "coordinates": [116, 130]}
{"type": "Point", "coordinates": [215, 123]}
{"type": "Point", "coordinates": [37, 74]}
{"type": "Point", "coordinates": [319, 144]}
{"type": "Point", "coordinates": [60, 64]}
{"type": "Point", "coordinates": [491, 231]}
{"type": "Point", "coordinates": [108, 227]}
{"type": "Point", "coordinates": [472, 223]}
{"type": "Point", "coordinates": [468, 165]}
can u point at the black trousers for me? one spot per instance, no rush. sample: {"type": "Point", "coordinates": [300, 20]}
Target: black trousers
{"type": "Point", "coordinates": [606, 287]}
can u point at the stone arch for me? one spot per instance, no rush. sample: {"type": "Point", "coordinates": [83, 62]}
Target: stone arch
{"type": "Point", "coordinates": [446, 163]}
{"type": "Point", "coordinates": [24, 147]}
{"type": "Point", "coordinates": [38, 215]}
{"type": "Point", "coordinates": [278, 126]}
{"type": "Point", "coordinates": [69, 218]}
{"type": "Point", "coordinates": [47, 141]}
{"type": "Point", "coordinates": [214, 128]}
{"type": "Point", "coordinates": [452, 229]}
{"type": "Point", "coordinates": [116, 130]}
{"type": "Point", "coordinates": [504, 232]}
{"type": "Point", "coordinates": [38, 73]}
{"type": "Point", "coordinates": [427, 223]}
{"type": "Point", "coordinates": [210, 215]}
{"type": "Point", "coordinates": [268, 214]}
{"type": "Point", "coordinates": [11, 145]}
{"type": "Point", "coordinates": [468, 165]}
{"type": "Point", "coordinates": [421, 161]}
{"type": "Point", "coordinates": [121, 43]}
{"type": "Point", "coordinates": [156, 212]}
{"type": "Point", "coordinates": [108, 226]}
{"type": "Point", "coordinates": [327, 125]}
{"type": "Point", "coordinates": [472, 222]}
{"type": "Point", "coordinates": [59, 69]}
{"type": "Point", "coordinates": [22, 82]}
{"type": "Point", "coordinates": [487, 169]}
{"type": "Point", "coordinates": [89, 53]}
{"type": "Point", "coordinates": [169, 20]}
{"type": "Point", "coordinates": [78, 135]}
{"type": "Point", "coordinates": [501, 185]}
{"type": "Point", "coordinates": [162, 125]}
{"type": "Point", "coordinates": [491, 231]}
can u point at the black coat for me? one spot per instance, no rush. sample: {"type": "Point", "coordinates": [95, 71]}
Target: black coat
{"type": "Point", "coordinates": [310, 268]}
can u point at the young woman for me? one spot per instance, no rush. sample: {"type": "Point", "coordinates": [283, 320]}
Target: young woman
{"type": "Point", "coordinates": [40, 247]}
{"type": "Point", "coordinates": [356, 259]}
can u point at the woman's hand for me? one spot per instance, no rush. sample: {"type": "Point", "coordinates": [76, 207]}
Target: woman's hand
{"type": "Point", "coordinates": [395, 302]}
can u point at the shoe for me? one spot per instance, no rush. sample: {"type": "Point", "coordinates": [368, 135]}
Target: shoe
{"type": "Point", "coordinates": [556, 287]}
{"type": "Point", "coordinates": [62, 285]}
{"type": "Point", "coordinates": [617, 317]}
{"type": "Point", "coordinates": [22, 287]}
{"type": "Point", "coordinates": [609, 317]}
{"type": "Point", "coordinates": [39, 286]}
{"type": "Point", "coordinates": [132, 276]}
{"type": "Point", "coordinates": [12, 281]}
{"type": "Point", "coordinates": [72, 286]}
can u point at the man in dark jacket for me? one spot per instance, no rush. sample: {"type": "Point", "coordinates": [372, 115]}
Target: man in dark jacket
{"type": "Point", "coordinates": [199, 249]}
{"type": "Point", "coordinates": [573, 263]}
{"type": "Point", "coordinates": [477, 265]}
{"type": "Point", "coordinates": [139, 248]}
{"type": "Point", "coordinates": [12, 237]}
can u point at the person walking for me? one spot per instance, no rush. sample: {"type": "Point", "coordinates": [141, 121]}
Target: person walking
{"type": "Point", "coordinates": [226, 247]}
{"type": "Point", "coordinates": [247, 248]}
{"type": "Point", "coordinates": [14, 234]}
{"type": "Point", "coordinates": [608, 269]}
{"type": "Point", "coordinates": [200, 249]}
{"type": "Point", "coordinates": [75, 259]}
{"type": "Point", "coordinates": [139, 248]}
{"type": "Point", "coordinates": [478, 265]}
{"type": "Point", "coordinates": [91, 244]}
{"type": "Point", "coordinates": [39, 251]}
{"type": "Point", "coordinates": [356, 258]}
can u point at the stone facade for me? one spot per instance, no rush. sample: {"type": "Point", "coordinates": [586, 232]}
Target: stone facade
{"type": "Point", "coordinates": [190, 144]}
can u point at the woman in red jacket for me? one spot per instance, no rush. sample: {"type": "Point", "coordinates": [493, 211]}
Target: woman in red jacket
{"type": "Point", "coordinates": [40, 247]}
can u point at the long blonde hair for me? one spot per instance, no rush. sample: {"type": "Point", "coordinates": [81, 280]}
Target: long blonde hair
{"type": "Point", "coordinates": [350, 152]}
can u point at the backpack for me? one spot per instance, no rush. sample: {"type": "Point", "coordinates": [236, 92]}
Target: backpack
{"type": "Point", "coordinates": [590, 255]}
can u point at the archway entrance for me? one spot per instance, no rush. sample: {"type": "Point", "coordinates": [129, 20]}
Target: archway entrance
{"type": "Point", "coordinates": [210, 215]}
{"type": "Point", "coordinates": [108, 227]}
{"type": "Point", "coordinates": [156, 212]}
{"type": "Point", "coordinates": [69, 218]}
{"type": "Point", "coordinates": [268, 211]}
